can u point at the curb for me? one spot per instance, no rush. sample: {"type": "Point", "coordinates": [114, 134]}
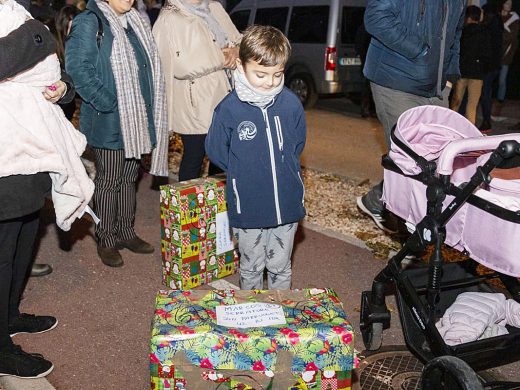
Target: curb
{"type": "Point", "coordinates": [14, 383]}
{"type": "Point", "coordinates": [334, 234]}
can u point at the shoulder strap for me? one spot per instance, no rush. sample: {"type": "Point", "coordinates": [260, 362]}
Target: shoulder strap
{"type": "Point", "coordinates": [99, 33]}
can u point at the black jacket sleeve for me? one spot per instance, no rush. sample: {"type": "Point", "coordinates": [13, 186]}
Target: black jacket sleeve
{"type": "Point", "coordinates": [71, 91]}
{"type": "Point", "coordinates": [25, 47]}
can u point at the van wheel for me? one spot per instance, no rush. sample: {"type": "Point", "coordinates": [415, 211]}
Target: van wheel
{"type": "Point", "coordinates": [301, 84]}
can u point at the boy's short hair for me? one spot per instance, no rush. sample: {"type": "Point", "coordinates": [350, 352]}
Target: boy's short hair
{"type": "Point", "coordinates": [264, 44]}
{"type": "Point", "coordinates": [473, 12]}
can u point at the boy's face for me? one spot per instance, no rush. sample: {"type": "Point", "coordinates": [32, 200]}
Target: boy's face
{"type": "Point", "coordinates": [263, 78]}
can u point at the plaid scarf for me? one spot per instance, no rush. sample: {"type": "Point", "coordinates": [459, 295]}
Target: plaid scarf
{"type": "Point", "coordinates": [132, 108]}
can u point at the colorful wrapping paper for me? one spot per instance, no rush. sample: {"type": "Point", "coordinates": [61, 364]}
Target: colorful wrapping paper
{"type": "Point", "coordinates": [189, 233]}
{"type": "Point", "coordinates": [313, 350]}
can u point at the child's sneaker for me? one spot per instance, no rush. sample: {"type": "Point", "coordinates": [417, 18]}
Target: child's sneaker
{"type": "Point", "coordinates": [29, 323]}
{"type": "Point", "coordinates": [15, 362]}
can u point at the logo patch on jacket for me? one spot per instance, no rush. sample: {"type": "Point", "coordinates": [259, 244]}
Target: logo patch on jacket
{"type": "Point", "coordinates": [246, 131]}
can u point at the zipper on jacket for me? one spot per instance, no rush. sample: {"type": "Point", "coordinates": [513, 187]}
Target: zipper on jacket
{"type": "Point", "coordinates": [237, 198]}
{"type": "Point", "coordinates": [303, 186]}
{"type": "Point", "coordinates": [279, 135]}
{"type": "Point", "coordinates": [273, 165]}
{"type": "Point", "coordinates": [443, 48]}
{"type": "Point", "coordinates": [191, 95]}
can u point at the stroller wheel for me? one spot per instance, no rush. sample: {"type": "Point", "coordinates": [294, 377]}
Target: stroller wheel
{"type": "Point", "coordinates": [449, 372]}
{"type": "Point", "coordinates": [372, 336]}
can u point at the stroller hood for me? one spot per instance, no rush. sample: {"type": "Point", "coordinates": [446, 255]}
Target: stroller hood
{"type": "Point", "coordinates": [427, 130]}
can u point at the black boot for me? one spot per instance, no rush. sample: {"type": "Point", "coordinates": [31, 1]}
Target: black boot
{"type": "Point", "coordinates": [40, 269]}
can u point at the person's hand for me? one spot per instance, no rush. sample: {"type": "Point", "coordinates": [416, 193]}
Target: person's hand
{"type": "Point", "coordinates": [230, 57]}
{"type": "Point", "coordinates": [55, 92]}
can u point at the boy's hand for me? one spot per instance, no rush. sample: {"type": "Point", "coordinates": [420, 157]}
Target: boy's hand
{"type": "Point", "coordinates": [230, 57]}
{"type": "Point", "coordinates": [55, 92]}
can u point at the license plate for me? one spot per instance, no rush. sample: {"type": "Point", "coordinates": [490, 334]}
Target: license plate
{"type": "Point", "coordinates": [350, 61]}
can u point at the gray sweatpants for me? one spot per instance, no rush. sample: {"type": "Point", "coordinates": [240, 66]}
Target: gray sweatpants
{"type": "Point", "coordinates": [269, 248]}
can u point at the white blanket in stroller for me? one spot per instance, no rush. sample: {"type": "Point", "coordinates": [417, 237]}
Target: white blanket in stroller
{"type": "Point", "coordinates": [474, 316]}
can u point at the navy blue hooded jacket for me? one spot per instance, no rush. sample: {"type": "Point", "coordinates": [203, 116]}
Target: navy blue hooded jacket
{"type": "Point", "coordinates": [415, 44]}
{"type": "Point", "coordinates": [260, 151]}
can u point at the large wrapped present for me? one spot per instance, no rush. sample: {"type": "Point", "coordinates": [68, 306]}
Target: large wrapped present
{"type": "Point", "coordinates": [281, 340]}
{"type": "Point", "coordinates": [196, 242]}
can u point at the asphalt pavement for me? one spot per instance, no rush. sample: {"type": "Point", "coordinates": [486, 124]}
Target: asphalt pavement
{"type": "Point", "coordinates": [102, 340]}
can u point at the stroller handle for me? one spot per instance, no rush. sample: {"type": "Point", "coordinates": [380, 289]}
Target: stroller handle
{"type": "Point", "coordinates": [447, 157]}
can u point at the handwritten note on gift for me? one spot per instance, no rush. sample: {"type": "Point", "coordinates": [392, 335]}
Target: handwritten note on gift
{"type": "Point", "coordinates": [224, 239]}
{"type": "Point", "coordinates": [249, 315]}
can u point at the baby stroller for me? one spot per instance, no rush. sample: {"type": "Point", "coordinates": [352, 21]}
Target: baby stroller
{"type": "Point", "coordinates": [438, 179]}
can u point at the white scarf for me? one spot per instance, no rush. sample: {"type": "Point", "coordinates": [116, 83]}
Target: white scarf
{"type": "Point", "coordinates": [249, 94]}
{"type": "Point", "coordinates": [132, 108]}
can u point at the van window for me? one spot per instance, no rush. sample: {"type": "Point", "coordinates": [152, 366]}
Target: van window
{"type": "Point", "coordinates": [351, 19]}
{"type": "Point", "coordinates": [240, 19]}
{"type": "Point", "coordinates": [309, 24]}
{"type": "Point", "coordinates": [276, 17]}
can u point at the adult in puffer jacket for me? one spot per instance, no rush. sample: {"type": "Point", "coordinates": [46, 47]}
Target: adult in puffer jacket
{"type": "Point", "coordinates": [476, 315]}
{"type": "Point", "coordinates": [413, 52]}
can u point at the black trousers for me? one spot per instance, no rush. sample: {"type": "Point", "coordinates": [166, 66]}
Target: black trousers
{"type": "Point", "coordinates": [17, 238]}
{"type": "Point", "coordinates": [193, 157]}
{"type": "Point", "coordinates": [114, 196]}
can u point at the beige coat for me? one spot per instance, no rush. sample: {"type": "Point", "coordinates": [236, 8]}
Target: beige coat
{"type": "Point", "coordinates": [193, 65]}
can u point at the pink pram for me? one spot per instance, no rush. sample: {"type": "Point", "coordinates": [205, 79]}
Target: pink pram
{"type": "Point", "coordinates": [437, 179]}
{"type": "Point", "coordinates": [440, 134]}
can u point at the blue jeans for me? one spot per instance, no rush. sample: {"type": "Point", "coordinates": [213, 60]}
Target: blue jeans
{"type": "Point", "coordinates": [487, 94]}
{"type": "Point", "coordinates": [502, 83]}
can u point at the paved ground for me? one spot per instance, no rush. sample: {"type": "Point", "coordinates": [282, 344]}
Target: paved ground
{"type": "Point", "coordinates": [102, 338]}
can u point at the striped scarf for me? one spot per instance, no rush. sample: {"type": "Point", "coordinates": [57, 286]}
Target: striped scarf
{"type": "Point", "coordinates": [132, 108]}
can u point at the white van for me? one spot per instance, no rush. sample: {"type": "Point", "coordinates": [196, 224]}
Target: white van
{"type": "Point", "coordinates": [322, 35]}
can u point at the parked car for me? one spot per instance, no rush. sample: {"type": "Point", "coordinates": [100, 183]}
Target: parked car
{"type": "Point", "coordinates": [322, 35]}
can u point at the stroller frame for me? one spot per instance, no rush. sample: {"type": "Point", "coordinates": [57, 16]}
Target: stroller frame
{"type": "Point", "coordinates": [423, 293]}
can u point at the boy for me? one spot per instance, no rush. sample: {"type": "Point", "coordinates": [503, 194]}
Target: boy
{"type": "Point", "coordinates": [257, 136]}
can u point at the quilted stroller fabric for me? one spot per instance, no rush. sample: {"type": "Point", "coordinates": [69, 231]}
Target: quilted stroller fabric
{"type": "Point", "coordinates": [487, 238]}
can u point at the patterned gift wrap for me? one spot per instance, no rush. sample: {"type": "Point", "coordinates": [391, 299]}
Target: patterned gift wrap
{"type": "Point", "coordinates": [313, 350]}
{"type": "Point", "coordinates": [189, 232]}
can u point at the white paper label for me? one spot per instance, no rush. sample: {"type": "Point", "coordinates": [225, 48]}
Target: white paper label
{"type": "Point", "coordinates": [224, 240]}
{"type": "Point", "coordinates": [250, 315]}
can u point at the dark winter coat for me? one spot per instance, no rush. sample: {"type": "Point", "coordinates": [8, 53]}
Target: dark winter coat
{"type": "Point", "coordinates": [415, 44]}
{"type": "Point", "coordinates": [90, 68]}
{"type": "Point", "coordinates": [475, 52]}
{"type": "Point", "coordinates": [260, 151]}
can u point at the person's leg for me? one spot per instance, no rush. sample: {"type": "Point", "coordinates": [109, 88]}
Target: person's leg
{"type": "Point", "coordinates": [22, 259]}
{"type": "Point", "coordinates": [486, 99]}
{"type": "Point", "coordinates": [390, 104]}
{"type": "Point", "coordinates": [279, 248]}
{"type": "Point", "coordinates": [109, 167]}
{"type": "Point", "coordinates": [9, 231]}
{"type": "Point", "coordinates": [126, 202]}
{"type": "Point", "coordinates": [474, 91]}
{"type": "Point", "coordinates": [109, 172]}
{"type": "Point", "coordinates": [458, 94]}
{"type": "Point", "coordinates": [252, 248]}
{"type": "Point", "coordinates": [502, 83]}
{"type": "Point", "coordinates": [192, 157]}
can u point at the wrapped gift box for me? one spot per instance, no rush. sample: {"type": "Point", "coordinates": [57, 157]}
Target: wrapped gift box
{"type": "Point", "coordinates": [190, 350]}
{"type": "Point", "coordinates": [189, 233]}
